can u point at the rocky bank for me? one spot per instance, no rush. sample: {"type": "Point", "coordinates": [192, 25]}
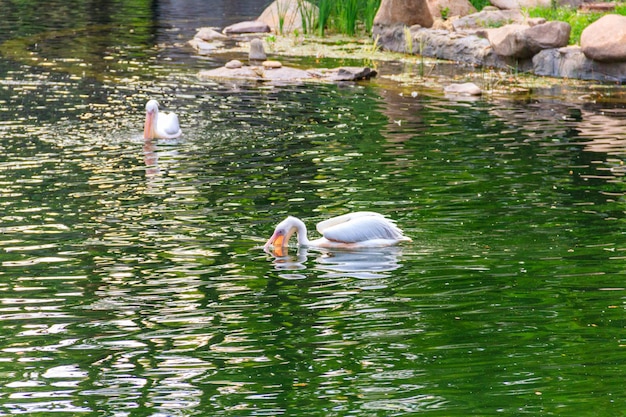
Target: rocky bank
{"type": "Point", "coordinates": [495, 37]}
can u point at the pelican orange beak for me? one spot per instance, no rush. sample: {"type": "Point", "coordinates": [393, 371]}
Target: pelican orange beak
{"type": "Point", "coordinates": [277, 240]}
{"type": "Point", "coordinates": [148, 127]}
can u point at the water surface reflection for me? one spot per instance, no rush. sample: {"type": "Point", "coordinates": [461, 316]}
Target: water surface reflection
{"type": "Point", "coordinates": [133, 280]}
{"type": "Point", "coordinates": [361, 264]}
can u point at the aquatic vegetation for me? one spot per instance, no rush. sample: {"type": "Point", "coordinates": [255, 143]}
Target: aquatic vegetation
{"type": "Point", "coordinates": [346, 16]}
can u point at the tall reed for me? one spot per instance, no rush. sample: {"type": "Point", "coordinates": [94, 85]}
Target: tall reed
{"type": "Point", "coordinates": [281, 16]}
{"type": "Point", "coordinates": [346, 16]}
{"type": "Point", "coordinates": [369, 13]}
{"type": "Point", "coordinates": [325, 8]}
{"type": "Point", "coordinates": [307, 13]}
{"type": "Point", "coordinates": [348, 13]}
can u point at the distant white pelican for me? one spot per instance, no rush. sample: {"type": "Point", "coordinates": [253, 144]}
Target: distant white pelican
{"type": "Point", "coordinates": [361, 229]}
{"type": "Point", "coordinates": [160, 125]}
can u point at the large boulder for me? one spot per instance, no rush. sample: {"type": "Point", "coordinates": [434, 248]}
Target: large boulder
{"type": "Point", "coordinates": [403, 12]}
{"type": "Point", "coordinates": [605, 39]}
{"type": "Point", "coordinates": [508, 40]}
{"type": "Point", "coordinates": [570, 62]}
{"type": "Point", "coordinates": [522, 41]}
{"type": "Point", "coordinates": [285, 16]}
{"type": "Point", "coordinates": [553, 34]}
{"type": "Point", "coordinates": [446, 9]}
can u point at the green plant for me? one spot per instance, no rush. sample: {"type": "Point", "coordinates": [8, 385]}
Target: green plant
{"type": "Point", "coordinates": [324, 8]}
{"type": "Point", "coordinates": [348, 13]}
{"type": "Point", "coordinates": [445, 11]}
{"type": "Point", "coordinates": [408, 41]}
{"type": "Point", "coordinates": [281, 16]}
{"type": "Point", "coordinates": [493, 24]}
{"type": "Point", "coordinates": [375, 47]}
{"type": "Point", "coordinates": [271, 41]}
{"type": "Point", "coordinates": [369, 13]}
{"type": "Point", "coordinates": [421, 52]}
{"type": "Point", "coordinates": [307, 13]}
{"type": "Point", "coordinates": [480, 4]}
{"type": "Point", "coordinates": [346, 16]}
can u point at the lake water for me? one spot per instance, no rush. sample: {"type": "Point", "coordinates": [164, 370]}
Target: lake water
{"type": "Point", "coordinates": [133, 280]}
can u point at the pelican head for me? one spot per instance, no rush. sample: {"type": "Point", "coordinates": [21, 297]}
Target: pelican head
{"type": "Point", "coordinates": [152, 113]}
{"type": "Point", "coordinates": [284, 230]}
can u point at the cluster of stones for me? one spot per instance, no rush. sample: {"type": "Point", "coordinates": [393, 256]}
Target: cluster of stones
{"type": "Point", "coordinates": [503, 38]}
{"type": "Point", "coordinates": [499, 36]}
{"type": "Point", "coordinates": [259, 68]}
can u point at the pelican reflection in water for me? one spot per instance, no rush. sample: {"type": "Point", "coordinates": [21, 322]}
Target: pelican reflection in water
{"type": "Point", "coordinates": [364, 263]}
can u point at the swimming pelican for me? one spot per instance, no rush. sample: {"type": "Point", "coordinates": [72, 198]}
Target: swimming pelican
{"type": "Point", "coordinates": [361, 229]}
{"type": "Point", "coordinates": [160, 126]}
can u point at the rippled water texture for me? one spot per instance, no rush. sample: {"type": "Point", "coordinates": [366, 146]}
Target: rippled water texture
{"type": "Point", "coordinates": [133, 280]}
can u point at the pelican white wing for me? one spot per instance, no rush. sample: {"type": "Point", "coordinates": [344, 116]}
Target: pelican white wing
{"type": "Point", "coordinates": [334, 221]}
{"type": "Point", "coordinates": [168, 125]}
{"type": "Point", "coordinates": [360, 227]}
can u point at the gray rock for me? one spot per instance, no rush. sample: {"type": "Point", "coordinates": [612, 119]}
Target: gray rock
{"type": "Point", "coordinates": [349, 73]}
{"type": "Point", "coordinates": [234, 64]}
{"type": "Point", "coordinates": [204, 47]}
{"type": "Point", "coordinates": [465, 89]}
{"type": "Point", "coordinates": [288, 75]}
{"type": "Point", "coordinates": [571, 62]}
{"type": "Point", "coordinates": [253, 26]}
{"type": "Point", "coordinates": [243, 73]}
{"type": "Point", "coordinates": [209, 34]}
{"type": "Point", "coordinates": [284, 74]}
{"type": "Point", "coordinates": [441, 44]}
{"type": "Point", "coordinates": [207, 40]}
{"type": "Point", "coordinates": [257, 52]}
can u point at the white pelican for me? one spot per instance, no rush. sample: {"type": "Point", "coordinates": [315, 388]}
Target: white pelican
{"type": "Point", "coordinates": [361, 229]}
{"type": "Point", "coordinates": [160, 126]}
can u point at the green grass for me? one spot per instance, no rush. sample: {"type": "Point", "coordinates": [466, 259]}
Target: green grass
{"type": "Point", "coordinates": [480, 4]}
{"type": "Point", "coordinates": [324, 11]}
{"type": "Point", "coordinates": [346, 16]}
{"type": "Point", "coordinates": [577, 20]}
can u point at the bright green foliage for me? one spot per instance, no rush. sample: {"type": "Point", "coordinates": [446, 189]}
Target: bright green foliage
{"type": "Point", "coordinates": [480, 4]}
{"type": "Point", "coordinates": [577, 20]}
{"type": "Point", "coordinates": [346, 16]}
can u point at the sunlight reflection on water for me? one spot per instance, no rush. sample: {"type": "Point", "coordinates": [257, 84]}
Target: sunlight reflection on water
{"type": "Point", "coordinates": [134, 281]}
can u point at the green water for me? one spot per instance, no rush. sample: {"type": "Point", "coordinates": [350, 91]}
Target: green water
{"type": "Point", "coordinates": [133, 280]}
